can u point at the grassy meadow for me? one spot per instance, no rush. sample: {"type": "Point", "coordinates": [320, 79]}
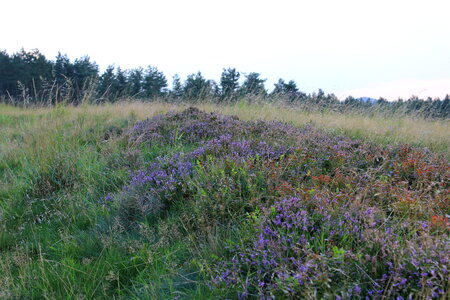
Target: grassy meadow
{"type": "Point", "coordinates": [140, 200]}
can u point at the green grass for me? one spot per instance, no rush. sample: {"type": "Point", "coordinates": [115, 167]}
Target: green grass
{"type": "Point", "coordinates": [58, 240]}
{"type": "Point", "coordinates": [54, 168]}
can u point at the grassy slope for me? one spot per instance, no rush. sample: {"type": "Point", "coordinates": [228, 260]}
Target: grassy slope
{"type": "Point", "coordinates": [56, 239]}
{"type": "Point", "coordinates": [55, 165]}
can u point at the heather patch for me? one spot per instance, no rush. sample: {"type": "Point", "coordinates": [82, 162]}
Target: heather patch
{"type": "Point", "coordinates": [323, 249]}
{"type": "Point", "coordinates": [318, 215]}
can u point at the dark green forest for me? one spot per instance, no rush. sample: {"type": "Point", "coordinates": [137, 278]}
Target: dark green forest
{"type": "Point", "coordinates": [30, 78]}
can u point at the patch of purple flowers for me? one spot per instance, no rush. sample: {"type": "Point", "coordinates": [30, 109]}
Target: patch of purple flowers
{"type": "Point", "coordinates": [301, 246]}
{"type": "Point", "coordinates": [339, 218]}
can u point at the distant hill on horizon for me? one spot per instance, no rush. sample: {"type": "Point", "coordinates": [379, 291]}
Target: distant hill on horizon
{"type": "Point", "coordinates": [368, 99]}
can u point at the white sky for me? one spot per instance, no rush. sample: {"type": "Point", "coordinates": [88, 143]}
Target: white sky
{"type": "Point", "coordinates": [386, 48]}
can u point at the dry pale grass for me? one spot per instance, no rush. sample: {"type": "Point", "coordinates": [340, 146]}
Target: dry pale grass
{"type": "Point", "coordinates": [433, 134]}
{"type": "Point", "coordinates": [120, 109]}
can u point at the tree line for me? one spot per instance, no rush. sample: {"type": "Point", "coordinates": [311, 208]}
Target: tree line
{"type": "Point", "coordinates": [28, 77]}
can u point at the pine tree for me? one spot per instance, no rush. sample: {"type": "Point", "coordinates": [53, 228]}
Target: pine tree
{"type": "Point", "coordinates": [85, 73]}
{"type": "Point", "coordinates": [154, 83]}
{"type": "Point", "coordinates": [135, 79]}
{"type": "Point", "coordinates": [196, 87]}
{"type": "Point", "coordinates": [253, 85]}
{"type": "Point", "coordinates": [62, 69]}
{"type": "Point", "coordinates": [288, 91]}
{"type": "Point", "coordinates": [8, 81]}
{"type": "Point", "coordinates": [121, 84]}
{"type": "Point", "coordinates": [177, 87]}
{"type": "Point", "coordinates": [229, 84]}
{"type": "Point", "coordinates": [107, 85]}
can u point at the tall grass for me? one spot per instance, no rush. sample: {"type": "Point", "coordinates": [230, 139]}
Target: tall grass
{"type": "Point", "coordinates": [58, 238]}
{"type": "Point", "coordinates": [432, 134]}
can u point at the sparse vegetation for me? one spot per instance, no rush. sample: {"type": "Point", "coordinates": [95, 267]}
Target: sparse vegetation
{"type": "Point", "coordinates": [161, 201]}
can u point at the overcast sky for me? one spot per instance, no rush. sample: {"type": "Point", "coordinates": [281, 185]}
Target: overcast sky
{"type": "Point", "coordinates": [370, 48]}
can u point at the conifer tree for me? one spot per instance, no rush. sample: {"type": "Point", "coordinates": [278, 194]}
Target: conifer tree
{"type": "Point", "coordinates": [253, 85]}
{"type": "Point", "coordinates": [135, 79]}
{"type": "Point", "coordinates": [107, 85]}
{"type": "Point", "coordinates": [196, 87]}
{"type": "Point", "coordinates": [177, 87]}
{"type": "Point", "coordinates": [154, 83]}
{"type": "Point", "coordinates": [229, 84]}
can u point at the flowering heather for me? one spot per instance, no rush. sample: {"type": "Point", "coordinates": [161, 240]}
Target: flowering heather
{"type": "Point", "coordinates": [155, 187]}
{"type": "Point", "coordinates": [224, 146]}
{"type": "Point", "coordinates": [170, 178]}
{"type": "Point", "coordinates": [324, 216]}
{"type": "Point", "coordinates": [195, 126]}
{"type": "Point", "coordinates": [190, 126]}
{"type": "Point", "coordinates": [303, 249]}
